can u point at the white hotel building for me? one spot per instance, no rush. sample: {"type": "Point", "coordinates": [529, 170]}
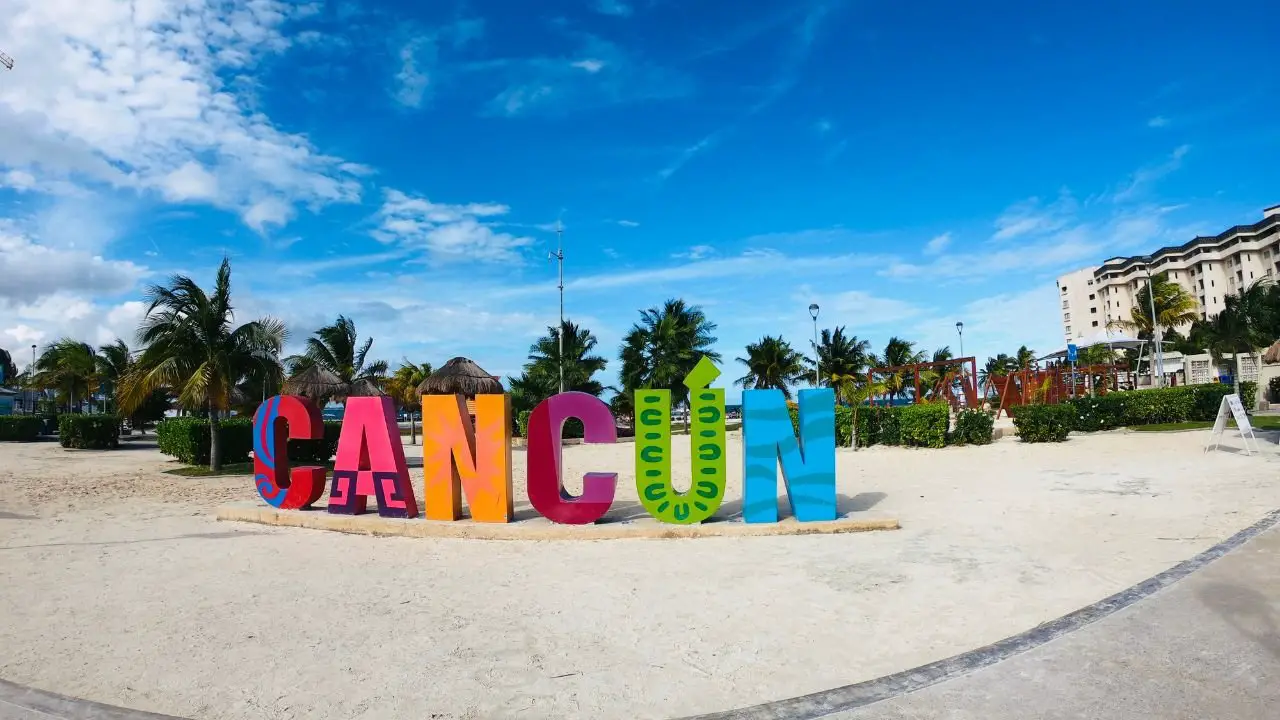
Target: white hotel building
{"type": "Point", "coordinates": [1210, 268]}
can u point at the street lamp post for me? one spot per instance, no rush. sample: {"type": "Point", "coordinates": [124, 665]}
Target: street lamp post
{"type": "Point", "coordinates": [31, 380]}
{"type": "Point", "coordinates": [813, 313]}
{"type": "Point", "coordinates": [960, 332]}
{"type": "Point", "coordinates": [1157, 370]}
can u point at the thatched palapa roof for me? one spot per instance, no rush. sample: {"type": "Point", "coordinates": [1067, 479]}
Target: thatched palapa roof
{"type": "Point", "coordinates": [1272, 355]}
{"type": "Point", "coordinates": [318, 382]}
{"type": "Point", "coordinates": [460, 376]}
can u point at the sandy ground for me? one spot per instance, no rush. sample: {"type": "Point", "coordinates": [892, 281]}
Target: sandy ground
{"type": "Point", "coordinates": [117, 586]}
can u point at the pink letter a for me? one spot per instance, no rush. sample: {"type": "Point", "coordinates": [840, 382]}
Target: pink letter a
{"type": "Point", "coordinates": [370, 461]}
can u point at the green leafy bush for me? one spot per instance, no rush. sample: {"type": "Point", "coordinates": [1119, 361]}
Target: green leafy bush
{"type": "Point", "coordinates": [1093, 414]}
{"type": "Point", "coordinates": [89, 432]}
{"type": "Point", "coordinates": [890, 425]}
{"type": "Point", "coordinates": [1147, 407]}
{"type": "Point", "coordinates": [1248, 394]}
{"type": "Point", "coordinates": [973, 427]}
{"type": "Point", "coordinates": [1043, 423]}
{"type": "Point", "coordinates": [187, 439]}
{"type": "Point", "coordinates": [925, 425]}
{"type": "Point", "coordinates": [522, 423]}
{"type": "Point", "coordinates": [20, 428]}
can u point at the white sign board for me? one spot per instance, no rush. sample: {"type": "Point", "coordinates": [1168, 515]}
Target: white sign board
{"type": "Point", "coordinates": [1232, 407]}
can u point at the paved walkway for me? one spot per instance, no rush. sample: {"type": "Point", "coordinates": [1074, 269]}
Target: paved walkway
{"type": "Point", "coordinates": [1199, 641]}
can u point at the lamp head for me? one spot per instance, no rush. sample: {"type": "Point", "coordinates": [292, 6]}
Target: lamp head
{"type": "Point", "coordinates": [813, 310]}
{"type": "Point", "coordinates": [960, 327]}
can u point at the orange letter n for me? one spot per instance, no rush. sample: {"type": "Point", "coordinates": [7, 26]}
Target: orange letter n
{"type": "Point", "coordinates": [457, 456]}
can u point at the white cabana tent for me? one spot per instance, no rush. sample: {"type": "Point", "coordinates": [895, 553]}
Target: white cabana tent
{"type": "Point", "coordinates": [1116, 341]}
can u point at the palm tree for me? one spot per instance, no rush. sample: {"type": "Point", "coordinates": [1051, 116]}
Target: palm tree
{"type": "Point", "coordinates": [532, 387]}
{"type": "Point", "coordinates": [898, 353]}
{"type": "Point", "coordinates": [1174, 306]}
{"type": "Point", "coordinates": [1024, 358]}
{"type": "Point", "coordinates": [334, 366]}
{"type": "Point", "coordinates": [578, 362]}
{"type": "Point", "coordinates": [402, 386]}
{"type": "Point", "coordinates": [841, 355]}
{"type": "Point", "coordinates": [192, 347]}
{"type": "Point", "coordinates": [661, 349]}
{"type": "Point", "coordinates": [1001, 364]}
{"type": "Point", "coordinates": [772, 364]}
{"type": "Point", "coordinates": [113, 363]}
{"type": "Point", "coordinates": [70, 367]}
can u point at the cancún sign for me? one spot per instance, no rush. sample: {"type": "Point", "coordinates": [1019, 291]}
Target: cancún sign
{"type": "Point", "coordinates": [473, 459]}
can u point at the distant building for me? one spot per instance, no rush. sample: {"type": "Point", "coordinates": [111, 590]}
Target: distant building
{"type": "Point", "coordinates": [6, 401]}
{"type": "Point", "coordinates": [1209, 268]}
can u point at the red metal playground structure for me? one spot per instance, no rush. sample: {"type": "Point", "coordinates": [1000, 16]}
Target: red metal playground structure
{"type": "Point", "coordinates": [956, 381]}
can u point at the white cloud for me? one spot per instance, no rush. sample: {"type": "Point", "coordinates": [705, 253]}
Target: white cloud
{"type": "Point", "coordinates": [1032, 217]}
{"type": "Point", "coordinates": [189, 182]}
{"type": "Point", "coordinates": [697, 252]}
{"type": "Point", "coordinates": [1158, 121]}
{"type": "Point", "coordinates": [130, 94]}
{"type": "Point", "coordinates": [629, 223]}
{"type": "Point", "coordinates": [1144, 178]}
{"type": "Point", "coordinates": [823, 126]}
{"type": "Point", "coordinates": [412, 80]}
{"type": "Point", "coordinates": [30, 271]}
{"type": "Point", "coordinates": [268, 211]}
{"type": "Point", "coordinates": [591, 65]}
{"type": "Point", "coordinates": [447, 232]}
{"type": "Point", "coordinates": [19, 180]}
{"type": "Point", "coordinates": [938, 244]}
{"type": "Point", "coordinates": [69, 315]}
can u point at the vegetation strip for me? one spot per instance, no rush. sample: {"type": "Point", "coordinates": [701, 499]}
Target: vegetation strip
{"type": "Point", "coordinates": [851, 697]}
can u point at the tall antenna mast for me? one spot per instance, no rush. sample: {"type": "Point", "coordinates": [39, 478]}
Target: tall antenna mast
{"type": "Point", "coordinates": [6, 61]}
{"type": "Point", "coordinates": [558, 255]}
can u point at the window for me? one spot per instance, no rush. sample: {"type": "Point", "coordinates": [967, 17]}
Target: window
{"type": "Point", "coordinates": [1250, 276]}
{"type": "Point", "coordinates": [1095, 323]}
{"type": "Point", "coordinates": [1093, 311]}
{"type": "Point", "coordinates": [1068, 331]}
{"type": "Point", "coordinates": [1064, 304]}
{"type": "Point", "coordinates": [1210, 283]}
{"type": "Point", "coordinates": [1215, 299]}
{"type": "Point", "coordinates": [1066, 317]}
{"type": "Point", "coordinates": [1064, 289]}
{"type": "Point", "coordinates": [1091, 297]}
{"type": "Point", "coordinates": [1240, 275]}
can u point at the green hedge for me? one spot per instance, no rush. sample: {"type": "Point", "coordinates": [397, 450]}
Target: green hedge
{"type": "Point", "coordinates": [89, 432]}
{"type": "Point", "coordinates": [925, 425]}
{"type": "Point", "coordinates": [522, 423]}
{"type": "Point", "coordinates": [187, 439]}
{"type": "Point", "coordinates": [844, 424]}
{"type": "Point", "coordinates": [973, 427]}
{"type": "Point", "coordinates": [1248, 394]}
{"type": "Point", "coordinates": [20, 428]}
{"type": "Point", "coordinates": [1147, 407]}
{"type": "Point", "coordinates": [1043, 423]}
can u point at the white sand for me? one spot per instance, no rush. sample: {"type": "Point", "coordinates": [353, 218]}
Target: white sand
{"type": "Point", "coordinates": [115, 585]}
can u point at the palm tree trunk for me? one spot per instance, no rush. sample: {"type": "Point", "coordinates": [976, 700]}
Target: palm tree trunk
{"type": "Point", "coordinates": [1235, 379]}
{"type": "Point", "coordinates": [413, 429]}
{"type": "Point", "coordinates": [215, 442]}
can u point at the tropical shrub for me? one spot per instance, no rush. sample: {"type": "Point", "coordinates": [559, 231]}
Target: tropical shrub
{"type": "Point", "coordinates": [890, 429]}
{"type": "Point", "coordinates": [1248, 394]}
{"type": "Point", "coordinates": [924, 425]}
{"type": "Point", "coordinates": [20, 428]}
{"type": "Point", "coordinates": [973, 427]}
{"type": "Point", "coordinates": [1043, 423]}
{"type": "Point", "coordinates": [187, 439]}
{"type": "Point", "coordinates": [1094, 414]}
{"type": "Point", "coordinates": [89, 432]}
{"type": "Point", "coordinates": [522, 423]}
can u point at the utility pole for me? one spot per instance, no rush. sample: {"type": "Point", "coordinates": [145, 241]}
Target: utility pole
{"type": "Point", "coordinates": [558, 256]}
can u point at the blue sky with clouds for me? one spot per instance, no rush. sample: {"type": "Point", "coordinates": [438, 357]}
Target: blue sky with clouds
{"type": "Point", "coordinates": [906, 166]}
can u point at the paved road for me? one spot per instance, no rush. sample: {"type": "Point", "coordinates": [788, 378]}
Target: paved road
{"type": "Point", "coordinates": [1200, 642]}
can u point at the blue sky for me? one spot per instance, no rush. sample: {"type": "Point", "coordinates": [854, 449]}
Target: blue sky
{"type": "Point", "coordinates": [906, 167]}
